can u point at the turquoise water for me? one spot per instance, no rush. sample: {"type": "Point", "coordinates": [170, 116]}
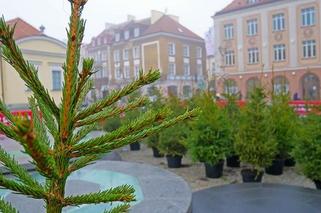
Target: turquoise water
{"type": "Point", "coordinates": [105, 179]}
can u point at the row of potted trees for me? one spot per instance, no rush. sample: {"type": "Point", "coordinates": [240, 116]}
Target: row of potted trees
{"type": "Point", "coordinates": [265, 135]}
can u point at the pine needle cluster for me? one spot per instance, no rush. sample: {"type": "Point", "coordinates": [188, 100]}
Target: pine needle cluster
{"type": "Point", "coordinates": [68, 123]}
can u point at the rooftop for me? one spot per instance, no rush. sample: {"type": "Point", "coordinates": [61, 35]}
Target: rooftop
{"type": "Point", "coordinates": [23, 29]}
{"type": "Point", "coordinates": [237, 5]}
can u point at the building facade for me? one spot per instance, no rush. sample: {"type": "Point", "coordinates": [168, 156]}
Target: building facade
{"type": "Point", "coordinates": [158, 42]}
{"type": "Point", "coordinates": [47, 54]}
{"type": "Point", "coordinates": [272, 42]}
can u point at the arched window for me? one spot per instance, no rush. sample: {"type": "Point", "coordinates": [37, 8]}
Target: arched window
{"type": "Point", "coordinates": [172, 90]}
{"type": "Point", "coordinates": [230, 87]}
{"type": "Point", "coordinates": [280, 85]}
{"type": "Point", "coordinates": [310, 87]}
{"type": "Point", "coordinates": [251, 84]}
{"type": "Point", "coordinates": [187, 91]}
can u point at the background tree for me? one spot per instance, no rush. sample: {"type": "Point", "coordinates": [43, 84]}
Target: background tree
{"type": "Point", "coordinates": [67, 123]}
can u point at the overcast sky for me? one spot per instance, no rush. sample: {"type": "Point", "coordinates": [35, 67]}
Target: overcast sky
{"type": "Point", "coordinates": [53, 14]}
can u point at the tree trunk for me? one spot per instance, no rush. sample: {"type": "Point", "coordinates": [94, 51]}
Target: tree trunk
{"type": "Point", "coordinates": [57, 188]}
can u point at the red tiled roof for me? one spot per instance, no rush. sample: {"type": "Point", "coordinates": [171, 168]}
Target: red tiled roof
{"type": "Point", "coordinates": [23, 29]}
{"type": "Point", "coordinates": [242, 4]}
{"type": "Point", "coordinates": [168, 25]}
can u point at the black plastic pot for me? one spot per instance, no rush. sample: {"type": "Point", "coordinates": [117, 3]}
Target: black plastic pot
{"type": "Point", "coordinates": [134, 146]}
{"type": "Point", "coordinates": [156, 153]}
{"type": "Point", "coordinates": [251, 176]}
{"type": "Point", "coordinates": [174, 161]}
{"type": "Point", "coordinates": [233, 161]}
{"type": "Point", "coordinates": [317, 184]}
{"type": "Point", "coordinates": [290, 162]}
{"type": "Point", "coordinates": [276, 168]}
{"type": "Point", "coordinates": [215, 171]}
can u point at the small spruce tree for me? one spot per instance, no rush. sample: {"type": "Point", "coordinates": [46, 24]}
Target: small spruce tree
{"type": "Point", "coordinates": [68, 123]}
{"type": "Point", "coordinates": [255, 142]}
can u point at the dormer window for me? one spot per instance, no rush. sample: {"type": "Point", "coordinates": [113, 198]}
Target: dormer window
{"type": "Point", "coordinates": [117, 37]}
{"type": "Point", "coordinates": [126, 35]}
{"type": "Point", "coordinates": [251, 1]}
{"type": "Point", "coordinates": [136, 32]}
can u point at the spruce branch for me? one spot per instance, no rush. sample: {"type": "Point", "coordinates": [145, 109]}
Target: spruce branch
{"type": "Point", "coordinates": [83, 162]}
{"type": "Point", "coordinates": [123, 208]}
{"type": "Point", "coordinates": [37, 144]}
{"type": "Point", "coordinates": [69, 99]}
{"type": "Point", "coordinates": [12, 54]}
{"type": "Point", "coordinates": [84, 76]}
{"type": "Point", "coordinates": [86, 88]}
{"type": "Point", "coordinates": [5, 111]}
{"type": "Point", "coordinates": [148, 118]}
{"type": "Point", "coordinates": [6, 207]}
{"type": "Point", "coordinates": [18, 170]}
{"type": "Point", "coordinates": [112, 112]}
{"type": "Point", "coordinates": [131, 138]}
{"type": "Point", "coordinates": [22, 188]}
{"type": "Point", "coordinates": [82, 133]}
{"type": "Point", "coordinates": [97, 107]}
{"type": "Point", "coordinates": [10, 132]}
{"type": "Point", "coordinates": [124, 193]}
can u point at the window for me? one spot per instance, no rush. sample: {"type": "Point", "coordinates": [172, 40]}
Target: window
{"type": "Point", "coordinates": [198, 52]}
{"type": "Point", "coordinates": [136, 32]}
{"type": "Point", "coordinates": [279, 52]}
{"type": "Point", "coordinates": [99, 73]}
{"type": "Point", "coordinates": [136, 52]}
{"type": "Point", "coordinates": [309, 49]}
{"type": "Point", "coordinates": [251, 1]}
{"type": "Point", "coordinates": [186, 51]}
{"type": "Point", "coordinates": [308, 16]}
{"type": "Point", "coordinates": [125, 54]}
{"type": "Point", "coordinates": [136, 70]}
{"type": "Point", "coordinates": [171, 49]}
{"type": "Point", "coordinates": [199, 70]}
{"type": "Point", "coordinates": [171, 69]}
{"type": "Point", "coordinates": [229, 58]}
{"type": "Point", "coordinates": [187, 91]}
{"type": "Point", "coordinates": [126, 35]}
{"type": "Point", "coordinates": [229, 31]}
{"type": "Point", "coordinates": [126, 72]}
{"type": "Point", "coordinates": [117, 73]}
{"type": "Point", "coordinates": [278, 22]}
{"type": "Point", "coordinates": [230, 87]}
{"type": "Point", "coordinates": [116, 55]}
{"type": "Point", "coordinates": [117, 37]}
{"type": "Point", "coordinates": [56, 79]}
{"type": "Point", "coordinates": [253, 55]}
{"type": "Point", "coordinates": [187, 69]}
{"type": "Point", "coordinates": [252, 27]}
{"type": "Point", "coordinates": [104, 55]}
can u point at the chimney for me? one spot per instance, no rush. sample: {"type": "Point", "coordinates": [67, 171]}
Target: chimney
{"type": "Point", "coordinates": [131, 18]}
{"type": "Point", "coordinates": [156, 15]}
{"type": "Point", "coordinates": [109, 25]}
{"type": "Point", "coordinates": [42, 29]}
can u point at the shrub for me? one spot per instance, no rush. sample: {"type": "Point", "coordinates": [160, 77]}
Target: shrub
{"type": "Point", "coordinates": [172, 141]}
{"type": "Point", "coordinates": [210, 137]}
{"type": "Point", "coordinates": [255, 143]}
{"type": "Point", "coordinates": [232, 119]}
{"type": "Point", "coordinates": [284, 122]}
{"type": "Point", "coordinates": [307, 149]}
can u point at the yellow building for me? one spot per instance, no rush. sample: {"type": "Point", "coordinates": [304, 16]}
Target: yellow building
{"type": "Point", "coordinates": [269, 41]}
{"type": "Point", "coordinates": [46, 53]}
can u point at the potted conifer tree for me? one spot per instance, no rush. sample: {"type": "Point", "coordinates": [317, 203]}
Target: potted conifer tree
{"type": "Point", "coordinates": [307, 149]}
{"type": "Point", "coordinates": [68, 123]}
{"type": "Point", "coordinates": [255, 143]}
{"type": "Point", "coordinates": [133, 114]}
{"type": "Point", "coordinates": [156, 102]}
{"type": "Point", "coordinates": [284, 124]}
{"type": "Point", "coordinates": [172, 141]}
{"type": "Point", "coordinates": [233, 118]}
{"type": "Point", "coordinates": [210, 136]}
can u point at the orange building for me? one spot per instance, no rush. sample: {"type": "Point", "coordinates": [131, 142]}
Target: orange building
{"type": "Point", "coordinates": [276, 42]}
